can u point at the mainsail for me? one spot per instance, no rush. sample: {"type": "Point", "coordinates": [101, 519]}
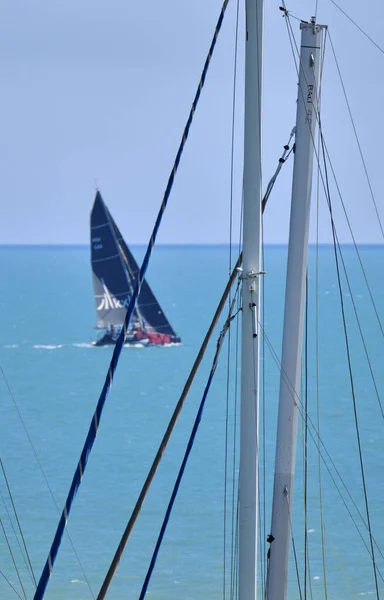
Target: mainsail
{"type": "Point", "coordinates": [110, 282]}
{"type": "Point", "coordinates": [114, 273]}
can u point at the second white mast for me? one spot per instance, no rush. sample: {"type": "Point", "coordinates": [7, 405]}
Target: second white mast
{"type": "Point", "coordinates": [306, 118]}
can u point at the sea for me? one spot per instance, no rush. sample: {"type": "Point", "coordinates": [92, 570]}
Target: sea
{"type": "Point", "coordinates": [50, 381]}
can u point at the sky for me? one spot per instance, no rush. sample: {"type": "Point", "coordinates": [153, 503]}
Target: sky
{"type": "Point", "coordinates": [97, 93]}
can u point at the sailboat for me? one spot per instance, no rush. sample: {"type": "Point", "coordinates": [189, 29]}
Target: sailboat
{"type": "Point", "coordinates": [121, 301]}
{"type": "Point", "coordinates": [114, 273]}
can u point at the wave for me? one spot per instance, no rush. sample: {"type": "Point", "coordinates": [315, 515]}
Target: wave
{"type": "Point", "coordinates": [48, 346]}
{"type": "Point", "coordinates": [78, 581]}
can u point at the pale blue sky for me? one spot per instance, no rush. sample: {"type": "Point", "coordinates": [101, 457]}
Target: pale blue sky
{"type": "Point", "coordinates": [100, 91]}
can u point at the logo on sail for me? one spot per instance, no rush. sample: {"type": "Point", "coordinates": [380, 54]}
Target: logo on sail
{"type": "Point", "coordinates": [109, 302]}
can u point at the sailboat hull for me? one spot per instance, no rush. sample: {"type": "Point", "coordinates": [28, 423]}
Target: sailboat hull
{"type": "Point", "coordinates": [132, 339]}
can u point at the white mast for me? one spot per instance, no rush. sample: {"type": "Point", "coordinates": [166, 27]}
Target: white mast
{"type": "Point", "coordinates": [249, 446]}
{"type": "Point", "coordinates": [294, 310]}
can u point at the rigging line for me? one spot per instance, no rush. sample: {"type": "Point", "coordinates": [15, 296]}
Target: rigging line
{"type": "Point", "coordinates": [233, 133]}
{"type": "Point", "coordinates": [186, 455]}
{"type": "Point", "coordinates": [234, 584]}
{"type": "Point", "coordinates": [322, 61]}
{"type": "Point", "coordinates": [261, 549]}
{"type": "Point", "coordinates": [306, 556]}
{"type": "Point", "coordinates": [287, 15]}
{"type": "Point", "coordinates": [286, 493]}
{"type": "Point", "coordinates": [95, 422]}
{"type": "Point", "coordinates": [259, 71]}
{"type": "Point", "coordinates": [234, 454]}
{"type": "Point", "coordinates": [48, 487]}
{"type": "Point", "coordinates": [285, 155]}
{"type": "Point", "coordinates": [264, 446]}
{"type": "Point", "coordinates": [241, 221]}
{"type": "Point", "coordinates": [25, 554]}
{"type": "Point", "coordinates": [316, 437]}
{"type": "Point", "coordinates": [9, 491]}
{"type": "Point", "coordinates": [15, 534]}
{"type": "Point", "coordinates": [270, 539]}
{"type": "Point", "coordinates": [353, 237]}
{"type": "Point", "coordinates": [358, 27]}
{"type": "Point", "coordinates": [309, 576]}
{"type": "Point", "coordinates": [296, 565]}
{"type": "Point", "coordinates": [13, 558]}
{"type": "Point", "coordinates": [317, 378]}
{"type": "Point", "coordinates": [294, 546]}
{"type": "Point", "coordinates": [360, 329]}
{"type": "Point", "coordinates": [357, 137]}
{"type": "Point", "coordinates": [264, 423]}
{"type": "Point", "coordinates": [351, 380]}
{"type": "Point", "coordinates": [357, 316]}
{"type": "Point", "coordinates": [304, 433]}
{"type": "Point", "coordinates": [226, 446]}
{"type": "Point", "coordinates": [305, 425]}
{"type": "Point", "coordinates": [229, 297]}
{"type": "Point", "coordinates": [10, 585]}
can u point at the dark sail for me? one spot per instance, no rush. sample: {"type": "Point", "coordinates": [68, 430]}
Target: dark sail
{"type": "Point", "coordinates": [110, 282]}
{"type": "Point", "coordinates": [114, 272]}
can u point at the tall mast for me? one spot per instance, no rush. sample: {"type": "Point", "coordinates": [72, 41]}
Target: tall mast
{"type": "Point", "coordinates": [249, 447]}
{"type": "Point", "coordinates": [306, 118]}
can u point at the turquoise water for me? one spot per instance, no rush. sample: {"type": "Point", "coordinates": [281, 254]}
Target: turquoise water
{"type": "Point", "coordinates": [55, 377]}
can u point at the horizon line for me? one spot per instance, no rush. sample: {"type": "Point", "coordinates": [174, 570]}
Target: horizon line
{"type": "Point", "coordinates": [183, 245]}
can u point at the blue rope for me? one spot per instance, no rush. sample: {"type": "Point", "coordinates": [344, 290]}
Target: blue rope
{"type": "Point", "coordinates": [184, 463]}
{"type": "Point", "coordinates": [94, 425]}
